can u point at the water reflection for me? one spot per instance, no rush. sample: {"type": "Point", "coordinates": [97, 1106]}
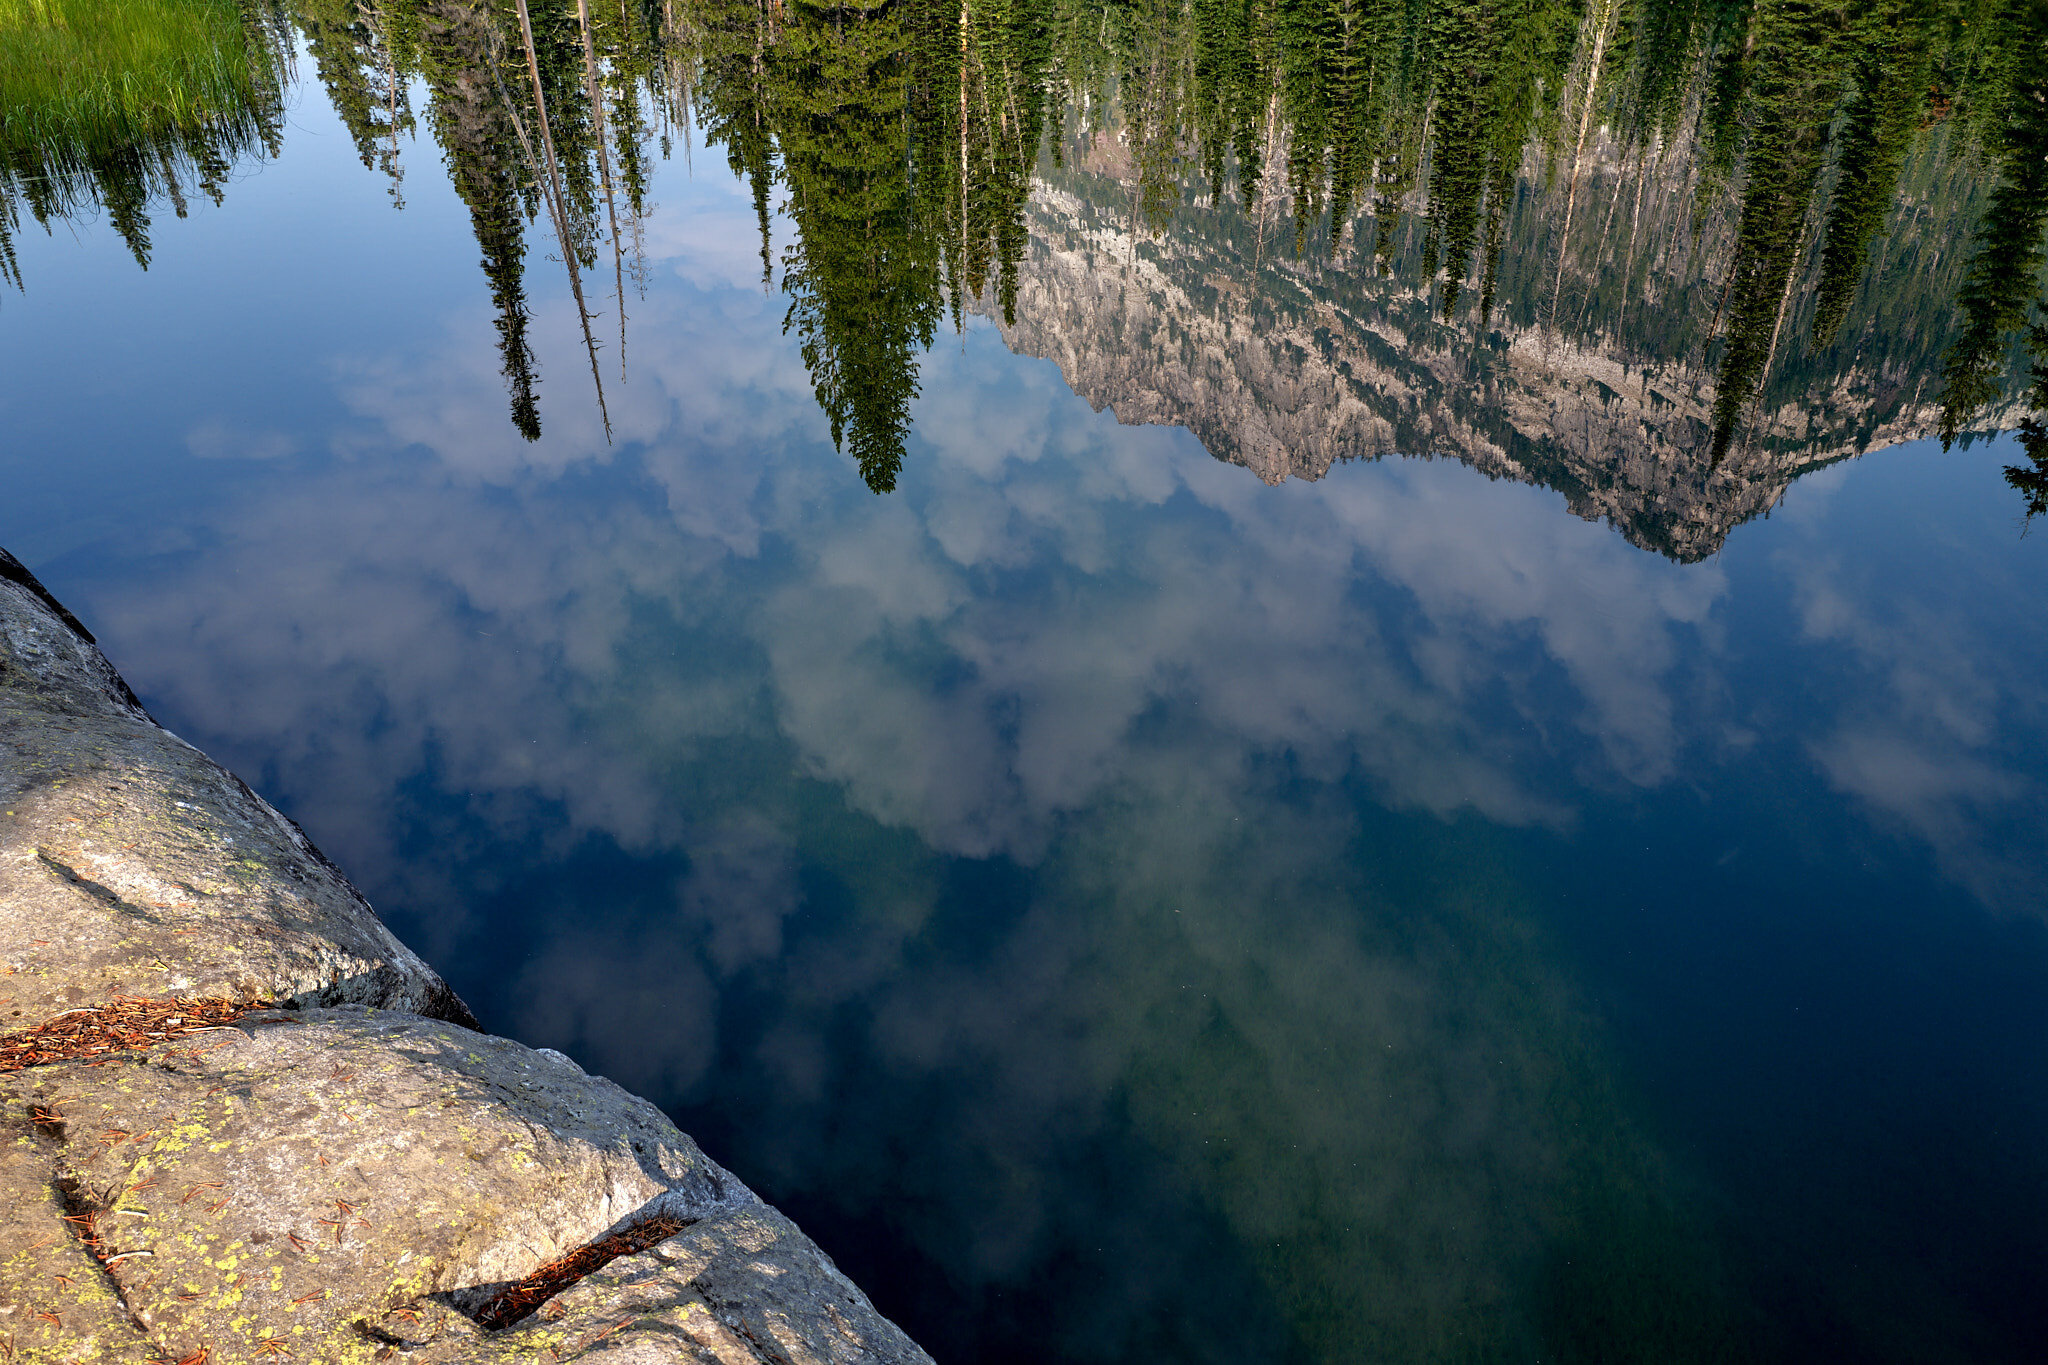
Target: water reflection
{"type": "Point", "coordinates": [1087, 879]}
{"type": "Point", "coordinates": [2032, 482]}
{"type": "Point", "coordinates": [1092, 888]}
{"type": "Point", "coordinates": [1662, 258]}
{"type": "Point", "coordinates": [999, 901]}
{"type": "Point", "coordinates": [906, 137]}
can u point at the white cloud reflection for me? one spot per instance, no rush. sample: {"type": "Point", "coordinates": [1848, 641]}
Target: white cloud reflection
{"type": "Point", "coordinates": [1939, 699]}
{"type": "Point", "coordinates": [1064, 576]}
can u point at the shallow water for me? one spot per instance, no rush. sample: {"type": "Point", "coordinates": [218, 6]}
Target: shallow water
{"type": "Point", "coordinates": [1124, 909]}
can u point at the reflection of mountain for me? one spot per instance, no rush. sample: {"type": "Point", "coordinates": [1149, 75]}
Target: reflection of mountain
{"type": "Point", "coordinates": [1660, 260]}
{"type": "Point", "coordinates": [1311, 362]}
{"type": "Point", "coordinates": [1660, 257]}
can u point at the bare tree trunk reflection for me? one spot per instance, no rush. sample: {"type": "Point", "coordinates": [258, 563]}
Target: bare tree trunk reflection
{"type": "Point", "coordinates": [604, 163]}
{"type": "Point", "coordinates": [558, 206]}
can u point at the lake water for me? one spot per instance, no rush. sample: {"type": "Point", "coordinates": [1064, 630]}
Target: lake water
{"type": "Point", "coordinates": [1392, 851]}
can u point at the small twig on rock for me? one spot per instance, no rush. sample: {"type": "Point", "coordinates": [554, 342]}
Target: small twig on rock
{"type": "Point", "coordinates": [516, 1301]}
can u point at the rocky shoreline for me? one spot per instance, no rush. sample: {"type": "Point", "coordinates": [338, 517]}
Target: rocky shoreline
{"type": "Point", "coordinates": [348, 1171]}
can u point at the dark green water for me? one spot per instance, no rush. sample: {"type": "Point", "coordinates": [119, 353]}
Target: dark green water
{"type": "Point", "coordinates": [1495, 816]}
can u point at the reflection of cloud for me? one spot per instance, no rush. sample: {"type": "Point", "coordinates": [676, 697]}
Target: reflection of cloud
{"type": "Point", "coordinates": [417, 621]}
{"type": "Point", "coordinates": [1930, 788]}
{"type": "Point", "coordinates": [1133, 679]}
{"type": "Point", "coordinates": [1091, 609]}
{"type": "Point", "coordinates": [703, 366]}
{"type": "Point", "coordinates": [1937, 708]}
{"type": "Point", "coordinates": [741, 887]}
{"type": "Point", "coordinates": [711, 239]}
{"type": "Point", "coordinates": [644, 1004]}
{"type": "Point", "coordinates": [1246, 611]}
{"type": "Point", "coordinates": [1505, 562]}
{"type": "Point", "coordinates": [214, 439]}
{"type": "Point", "coordinates": [1364, 1095]}
{"type": "Point", "coordinates": [1084, 647]}
{"type": "Point", "coordinates": [1034, 569]}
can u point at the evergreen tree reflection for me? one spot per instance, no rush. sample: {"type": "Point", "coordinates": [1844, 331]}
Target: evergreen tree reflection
{"type": "Point", "coordinates": [2005, 268]}
{"type": "Point", "coordinates": [903, 136]}
{"type": "Point", "coordinates": [2031, 479]}
{"type": "Point", "coordinates": [1501, 150]}
{"type": "Point", "coordinates": [472, 120]}
{"type": "Point", "coordinates": [863, 285]}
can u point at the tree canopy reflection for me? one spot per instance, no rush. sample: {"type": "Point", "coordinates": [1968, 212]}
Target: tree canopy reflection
{"type": "Point", "coordinates": [1767, 194]}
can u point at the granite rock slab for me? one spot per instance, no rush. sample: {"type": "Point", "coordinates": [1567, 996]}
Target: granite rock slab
{"type": "Point", "coordinates": [133, 864]}
{"type": "Point", "coordinates": [342, 1184]}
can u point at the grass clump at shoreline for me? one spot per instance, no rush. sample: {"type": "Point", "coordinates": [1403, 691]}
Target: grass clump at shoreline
{"type": "Point", "coordinates": [84, 75]}
{"type": "Point", "coordinates": [114, 103]}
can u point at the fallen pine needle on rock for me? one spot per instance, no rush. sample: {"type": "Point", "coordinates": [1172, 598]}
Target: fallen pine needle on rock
{"type": "Point", "coordinates": [129, 1024]}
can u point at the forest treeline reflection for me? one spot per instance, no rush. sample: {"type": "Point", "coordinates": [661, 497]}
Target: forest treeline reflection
{"type": "Point", "coordinates": [1757, 197]}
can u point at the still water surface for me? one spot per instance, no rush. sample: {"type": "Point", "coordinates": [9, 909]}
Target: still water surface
{"type": "Point", "coordinates": [1128, 903]}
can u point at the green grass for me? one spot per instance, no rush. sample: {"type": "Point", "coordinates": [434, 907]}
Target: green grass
{"type": "Point", "coordinates": [82, 78]}
{"type": "Point", "coordinates": [115, 103]}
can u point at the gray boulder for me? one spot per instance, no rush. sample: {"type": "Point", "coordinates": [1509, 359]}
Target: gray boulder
{"type": "Point", "coordinates": [341, 1184]}
{"type": "Point", "coordinates": [132, 864]}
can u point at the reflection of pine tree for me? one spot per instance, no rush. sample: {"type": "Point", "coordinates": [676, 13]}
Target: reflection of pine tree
{"type": "Point", "coordinates": [482, 110]}
{"type": "Point", "coordinates": [1011, 46]}
{"type": "Point", "coordinates": [1729, 28]}
{"type": "Point", "coordinates": [1355, 89]}
{"type": "Point", "coordinates": [1493, 64]}
{"type": "Point", "coordinates": [905, 135]}
{"type": "Point", "coordinates": [1151, 87]}
{"type": "Point", "coordinates": [1230, 94]}
{"type": "Point", "coordinates": [2006, 266]}
{"type": "Point", "coordinates": [2031, 479]}
{"type": "Point", "coordinates": [975, 110]}
{"type": "Point", "coordinates": [473, 123]}
{"type": "Point", "coordinates": [1461, 36]}
{"type": "Point", "coordinates": [357, 53]}
{"type": "Point", "coordinates": [1879, 127]}
{"type": "Point", "coordinates": [1662, 38]}
{"type": "Point", "coordinates": [1794, 82]}
{"type": "Point", "coordinates": [863, 285]}
{"type": "Point", "coordinates": [735, 103]}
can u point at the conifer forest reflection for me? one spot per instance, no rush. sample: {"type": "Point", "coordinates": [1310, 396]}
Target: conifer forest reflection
{"type": "Point", "coordinates": [1748, 237]}
{"type": "Point", "coordinates": [1436, 751]}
